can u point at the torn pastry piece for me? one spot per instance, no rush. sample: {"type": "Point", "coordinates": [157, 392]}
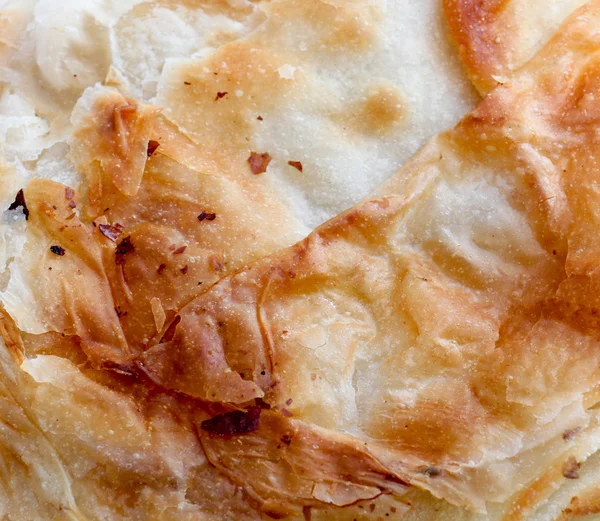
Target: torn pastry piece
{"type": "Point", "coordinates": [450, 321]}
{"type": "Point", "coordinates": [80, 444]}
{"type": "Point", "coordinates": [63, 265]}
{"type": "Point", "coordinates": [110, 141]}
{"type": "Point", "coordinates": [496, 37]}
{"type": "Point", "coordinates": [77, 456]}
{"type": "Point", "coordinates": [139, 227]}
{"type": "Point", "coordinates": [285, 463]}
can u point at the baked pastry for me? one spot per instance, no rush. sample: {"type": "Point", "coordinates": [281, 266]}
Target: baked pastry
{"type": "Point", "coordinates": [429, 354]}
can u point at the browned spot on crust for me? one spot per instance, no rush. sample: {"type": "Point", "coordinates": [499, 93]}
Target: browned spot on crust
{"type": "Point", "coordinates": [382, 109]}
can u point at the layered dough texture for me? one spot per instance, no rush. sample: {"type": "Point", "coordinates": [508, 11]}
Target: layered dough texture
{"type": "Point", "coordinates": [172, 352]}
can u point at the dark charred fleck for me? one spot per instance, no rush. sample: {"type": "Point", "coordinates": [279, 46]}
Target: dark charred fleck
{"type": "Point", "coordinates": [263, 373]}
{"type": "Point", "coordinates": [57, 250]}
{"type": "Point", "coordinates": [307, 513]}
{"type": "Point", "coordinates": [72, 204]}
{"type": "Point", "coordinates": [260, 118]}
{"type": "Point", "coordinates": [220, 95]}
{"type": "Point", "coordinates": [568, 435]}
{"type": "Point", "coordinates": [121, 369]}
{"type": "Point", "coordinates": [125, 247]}
{"type": "Point", "coordinates": [286, 438]}
{"type": "Point", "coordinates": [187, 82]}
{"type": "Point", "coordinates": [431, 472]}
{"type": "Point", "coordinates": [152, 146]}
{"type": "Point", "coordinates": [161, 268]}
{"type": "Point", "coordinates": [262, 404]}
{"type": "Point", "coordinates": [396, 479]}
{"type": "Point", "coordinates": [69, 193]}
{"type": "Point", "coordinates": [215, 263]}
{"type": "Point", "coordinates": [171, 330]}
{"type": "Point", "coordinates": [207, 216]}
{"type": "Point", "coordinates": [233, 423]}
{"type": "Point", "coordinates": [571, 468]}
{"type": "Point", "coordinates": [296, 164]}
{"type": "Point", "coordinates": [20, 201]}
{"type": "Point", "coordinates": [120, 313]}
{"type": "Point", "coordinates": [184, 270]}
{"type": "Point", "coordinates": [179, 250]}
{"type": "Point", "coordinates": [289, 402]}
{"type": "Point", "coordinates": [110, 232]}
{"type": "Point", "coordinates": [259, 162]}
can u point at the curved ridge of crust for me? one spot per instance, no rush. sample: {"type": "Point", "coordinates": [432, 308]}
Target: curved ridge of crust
{"type": "Point", "coordinates": [474, 30]}
{"type": "Point", "coordinates": [495, 38]}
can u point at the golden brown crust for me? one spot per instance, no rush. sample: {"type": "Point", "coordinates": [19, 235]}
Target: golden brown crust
{"type": "Point", "coordinates": [496, 37]}
{"type": "Point", "coordinates": [473, 27]}
{"type": "Point", "coordinates": [286, 464]}
{"type": "Point", "coordinates": [114, 139]}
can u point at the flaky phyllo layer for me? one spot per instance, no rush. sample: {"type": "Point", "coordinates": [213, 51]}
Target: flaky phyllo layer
{"type": "Point", "coordinates": [432, 353]}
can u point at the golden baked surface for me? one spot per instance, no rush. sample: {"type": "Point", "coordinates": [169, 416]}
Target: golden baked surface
{"type": "Point", "coordinates": [496, 37]}
{"type": "Point", "coordinates": [432, 353]}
